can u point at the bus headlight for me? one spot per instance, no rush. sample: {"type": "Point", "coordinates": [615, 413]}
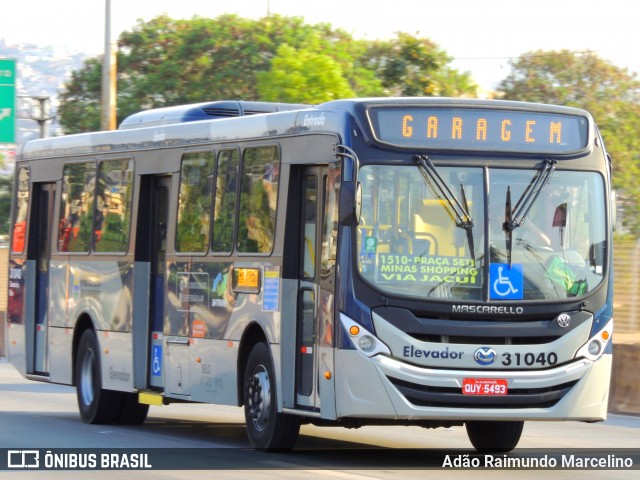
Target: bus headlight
{"type": "Point", "coordinates": [364, 341]}
{"type": "Point", "coordinates": [595, 346]}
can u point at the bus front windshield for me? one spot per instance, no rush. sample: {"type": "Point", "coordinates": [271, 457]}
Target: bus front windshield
{"type": "Point", "coordinates": [445, 234]}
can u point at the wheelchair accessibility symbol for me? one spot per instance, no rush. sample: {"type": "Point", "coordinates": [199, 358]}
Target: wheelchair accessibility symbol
{"type": "Point", "coordinates": [506, 282]}
{"type": "Point", "coordinates": [156, 361]}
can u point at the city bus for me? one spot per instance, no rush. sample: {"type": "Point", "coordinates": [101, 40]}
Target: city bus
{"type": "Point", "coordinates": [425, 262]}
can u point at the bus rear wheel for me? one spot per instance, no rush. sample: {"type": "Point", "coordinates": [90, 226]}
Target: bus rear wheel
{"type": "Point", "coordinates": [494, 436]}
{"type": "Point", "coordinates": [267, 428]}
{"type": "Point", "coordinates": [96, 405]}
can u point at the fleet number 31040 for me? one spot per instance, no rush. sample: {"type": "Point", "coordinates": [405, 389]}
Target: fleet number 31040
{"type": "Point", "coordinates": [529, 359]}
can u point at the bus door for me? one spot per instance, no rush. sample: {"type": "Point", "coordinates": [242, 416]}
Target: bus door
{"type": "Point", "coordinates": [314, 352]}
{"type": "Point", "coordinates": [158, 270]}
{"type": "Point", "coordinates": [39, 250]}
{"type": "Point", "coordinates": [151, 251]}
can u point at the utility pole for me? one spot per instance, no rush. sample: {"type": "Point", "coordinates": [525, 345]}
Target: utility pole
{"type": "Point", "coordinates": [109, 69]}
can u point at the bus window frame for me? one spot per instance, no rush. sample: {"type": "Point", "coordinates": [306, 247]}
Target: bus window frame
{"type": "Point", "coordinates": [14, 211]}
{"type": "Point", "coordinates": [132, 199]}
{"type": "Point", "coordinates": [207, 249]}
{"type": "Point", "coordinates": [243, 150]}
{"type": "Point", "coordinates": [59, 203]}
{"type": "Point", "coordinates": [236, 212]}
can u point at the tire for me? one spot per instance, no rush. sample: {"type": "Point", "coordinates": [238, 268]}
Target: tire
{"type": "Point", "coordinates": [133, 412]}
{"type": "Point", "coordinates": [494, 436]}
{"type": "Point", "coordinates": [267, 428]}
{"type": "Point", "coordinates": [96, 405]}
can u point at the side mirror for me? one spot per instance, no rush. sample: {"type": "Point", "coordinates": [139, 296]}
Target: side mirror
{"type": "Point", "coordinates": [350, 203]}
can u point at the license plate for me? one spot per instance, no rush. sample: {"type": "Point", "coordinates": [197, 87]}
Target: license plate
{"type": "Point", "coordinates": [484, 386]}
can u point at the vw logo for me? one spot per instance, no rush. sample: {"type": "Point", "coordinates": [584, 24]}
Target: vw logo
{"type": "Point", "coordinates": [485, 356]}
{"type": "Point", "coordinates": [563, 320]}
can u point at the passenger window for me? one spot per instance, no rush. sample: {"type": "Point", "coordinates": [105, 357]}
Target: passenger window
{"type": "Point", "coordinates": [258, 199]}
{"type": "Point", "coordinates": [194, 204]}
{"type": "Point", "coordinates": [330, 224]}
{"type": "Point", "coordinates": [113, 208]}
{"type": "Point", "coordinates": [22, 208]}
{"type": "Point", "coordinates": [76, 207]}
{"type": "Point", "coordinates": [309, 206]}
{"type": "Point", "coordinates": [224, 213]}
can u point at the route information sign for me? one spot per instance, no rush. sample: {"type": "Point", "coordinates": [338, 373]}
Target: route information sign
{"type": "Point", "coordinates": [7, 100]}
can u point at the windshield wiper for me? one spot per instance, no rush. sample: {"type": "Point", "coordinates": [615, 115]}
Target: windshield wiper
{"type": "Point", "coordinates": [514, 218]}
{"type": "Point", "coordinates": [441, 190]}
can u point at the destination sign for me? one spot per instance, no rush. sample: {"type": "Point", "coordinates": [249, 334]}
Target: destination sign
{"type": "Point", "coordinates": [430, 270]}
{"type": "Point", "coordinates": [479, 129]}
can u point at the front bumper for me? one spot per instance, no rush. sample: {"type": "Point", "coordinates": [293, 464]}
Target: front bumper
{"type": "Point", "coordinates": [382, 387]}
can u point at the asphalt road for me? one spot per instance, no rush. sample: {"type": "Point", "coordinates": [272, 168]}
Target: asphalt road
{"type": "Point", "coordinates": [187, 441]}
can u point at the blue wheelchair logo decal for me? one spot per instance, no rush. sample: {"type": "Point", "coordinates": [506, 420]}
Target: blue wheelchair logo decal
{"type": "Point", "coordinates": [506, 283]}
{"type": "Point", "coordinates": [156, 361]}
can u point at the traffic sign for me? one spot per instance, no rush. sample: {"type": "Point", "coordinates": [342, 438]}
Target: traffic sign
{"type": "Point", "coordinates": [7, 100]}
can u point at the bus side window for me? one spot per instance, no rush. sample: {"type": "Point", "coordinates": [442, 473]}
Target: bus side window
{"type": "Point", "coordinates": [310, 201]}
{"type": "Point", "coordinates": [76, 207]}
{"type": "Point", "coordinates": [113, 209]}
{"type": "Point", "coordinates": [195, 202]}
{"type": "Point", "coordinates": [258, 199]}
{"type": "Point", "coordinates": [22, 207]}
{"type": "Point", "coordinates": [224, 209]}
{"type": "Point", "coordinates": [330, 224]}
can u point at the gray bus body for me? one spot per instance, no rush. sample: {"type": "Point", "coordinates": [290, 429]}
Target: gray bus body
{"type": "Point", "coordinates": [367, 261]}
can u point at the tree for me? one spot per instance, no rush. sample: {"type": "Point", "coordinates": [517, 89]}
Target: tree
{"type": "Point", "coordinates": [568, 78]}
{"type": "Point", "coordinates": [302, 75]}
{"type": "Point", "coordinates": [166, 62]}
{"type": "Point", "coordinates": [411, 66]}
{"type": "Point", "coordinates": [612, 96]}
{"type": "Point", "coordinates": [80, 101]}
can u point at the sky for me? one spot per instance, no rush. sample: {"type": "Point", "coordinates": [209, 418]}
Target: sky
{"type": "Point", "coordinates": [481, 35]}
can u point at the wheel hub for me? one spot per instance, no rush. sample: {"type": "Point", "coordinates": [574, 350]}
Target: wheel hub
{"type": "Point", "coordinates": [259, 398]}
{"type": "Point", "coordinates": [87, 390]}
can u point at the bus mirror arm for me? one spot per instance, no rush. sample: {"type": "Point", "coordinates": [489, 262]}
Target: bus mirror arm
{"type": "Point", "coordinates": [350, 207]}
{"type": "Point", "coordinates": [351, 165]}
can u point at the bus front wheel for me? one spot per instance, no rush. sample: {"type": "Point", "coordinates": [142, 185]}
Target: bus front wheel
{"type": "Point", "coordinates": [96, 404]}
{"type": "Point", "coordinates": [267, 428]}
{"type": "Point", "coordinates": [494, 436]}
{"type": "Point", "coordinates": [133, 412]}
